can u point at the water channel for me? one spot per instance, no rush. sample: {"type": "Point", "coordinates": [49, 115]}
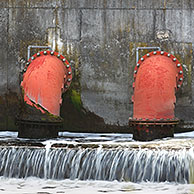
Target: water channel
{"type": "Point", "coordinates": [96, 163]}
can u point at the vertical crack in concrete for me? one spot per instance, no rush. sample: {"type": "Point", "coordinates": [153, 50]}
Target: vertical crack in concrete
{"type": "Point", "coordinates": [7, 89]}
{"type": "Point", "coordinates": [80, 25]}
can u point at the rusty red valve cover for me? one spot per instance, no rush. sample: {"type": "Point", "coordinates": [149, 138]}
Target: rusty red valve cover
{"type": "Point", "coordinates": [46, 76]}
{"type": "Point", "coordinates": [157, 76]}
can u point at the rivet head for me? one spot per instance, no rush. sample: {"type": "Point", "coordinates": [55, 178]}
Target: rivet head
{"type": "Point", "coordinates": [66, 86]}
{"type": "Point", "coordinates": [162, 52]}
{"type": "Point", "coordinates": [180, 72]}
{"type": "Point", "coordinates": [68, 80]}
{"type": "Point", "coordinates": [142, 59]}
{"type": "Point", "coordinates": [138, 65]}
{"type": "Point", "coordinates": [135, 72]}
{"type": "Point", "coordinates": [28, 63]}
{"type": "Point", "coordinates": [69, 72]}
{"type": "Point", "coordinates": [178, 86]}
{"type": "Point", "coordinates": [32, 58]}
{"type": "Point", "coordinates": [38, 54]}
{"type": "Point", "coordinates": [67, 66]}
{"type": "Point", "coordinates": [45, 52]}
{"type": "Point", "coordinates": [58, 55]}
{"type": "Point", "coordinates": [24, 69]}
{"type": "Point", "coordinates": [178, 65]}
{"type": "Point", "coordinates": [148, 55]}
{"type": "Point", "coordinates": [168, 55]}
{"type": "Point", "coordinates": [154, 52]}
{"type": "Point", "coordinates": [64, 60]}
{"type": "Point", "coordinates": [174, 59]}
{"type": "Point", "coordinates": [181, 79]}
{"type": "Point", "coordinates": [52, 53]}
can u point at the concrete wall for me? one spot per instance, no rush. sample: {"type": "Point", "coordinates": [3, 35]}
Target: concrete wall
{"type": "Point", "coordinates": [99, 38]}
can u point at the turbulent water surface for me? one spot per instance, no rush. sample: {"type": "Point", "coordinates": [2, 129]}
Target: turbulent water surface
{"type": "Point", "coordinates": [96, 163]}
{"type": "Point", "coordinates": [44, 186]}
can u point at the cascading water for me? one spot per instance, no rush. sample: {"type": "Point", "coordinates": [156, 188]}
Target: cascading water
{"type": "Point", "coordinates": [134, 165]}
{"type": "Point", "coordinates": [169, 160]}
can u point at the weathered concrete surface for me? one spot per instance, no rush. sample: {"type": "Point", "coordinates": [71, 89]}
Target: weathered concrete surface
{"type": "Point", "coordinates": [99, 37]}
{"type": "Point", "coordinates": [3, 66]}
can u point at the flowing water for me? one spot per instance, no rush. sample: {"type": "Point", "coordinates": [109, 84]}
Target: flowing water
{"type": "Point", "coordinates": [96, 163]}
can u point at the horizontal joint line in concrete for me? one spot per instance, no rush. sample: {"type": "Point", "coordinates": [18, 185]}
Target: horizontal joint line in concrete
{"type": "Point", "coordinates": [95, 8]}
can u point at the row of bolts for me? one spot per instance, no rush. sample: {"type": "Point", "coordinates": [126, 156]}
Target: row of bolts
{"type": "Point", "coordinates": [52, 53]}
{"type": "Point", "coordinates": [162, 52]}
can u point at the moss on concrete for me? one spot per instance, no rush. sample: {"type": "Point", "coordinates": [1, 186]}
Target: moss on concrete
{"type": "Point", "coordinates": [76, 99]}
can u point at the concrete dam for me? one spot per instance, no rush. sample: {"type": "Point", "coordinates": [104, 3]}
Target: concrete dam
{"type": "Point", "coordinates": [78, 77]}
{"type": "Point", "coordinates": [99, 39]}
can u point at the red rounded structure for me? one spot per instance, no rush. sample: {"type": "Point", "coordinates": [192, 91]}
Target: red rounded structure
{"type": "Point", "coordinates": [157, 76]}
{"type": "Point", "coordinates": [47, 75]}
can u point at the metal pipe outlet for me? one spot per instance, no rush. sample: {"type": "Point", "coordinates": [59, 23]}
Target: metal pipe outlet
{"type": "Point", "coordinates": [157, 76]}
{"type": "Point", "coordinates": [46, 76]}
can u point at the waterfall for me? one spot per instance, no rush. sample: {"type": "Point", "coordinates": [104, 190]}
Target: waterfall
{"type": "Point", "coordinates": [122, 164]}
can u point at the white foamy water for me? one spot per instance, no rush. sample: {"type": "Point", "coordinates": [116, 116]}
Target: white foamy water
{"type": "Point", "coordinates": [178, 150]}
{"type": "Point", "coordinates": [42, 186]}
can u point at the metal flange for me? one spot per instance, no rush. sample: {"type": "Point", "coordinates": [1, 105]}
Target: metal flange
{"type": "Point", "coordinates": [153, 122]}
{"type": "Point", "coordinates": [164, 54]}
{"type": "Point", "coordinates": [67, 79]}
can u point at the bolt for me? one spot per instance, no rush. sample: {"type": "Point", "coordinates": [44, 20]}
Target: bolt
{"type": "Point", "coordinates": [142, 59]}
{"type": "Point", "coordinates": [181, 79]}
{"type": "Point", "coordinates": [174, 59]}
{"type": "Point", "coordinates": [51, 52]}
{"type": "Point", "coordinates": [67, 66]}
{"type": "Point", "coordinates": [135, 71]}
{"type": "Point", "coordinates": [168, 55]}
{"type": "Point", "coordinates": [64, 60]}
{"type": "Point", "coordinates": [24, 69]}
{"type": "Point", "coordinates": [66, 86]}
{"type": "Point", "coordinates": [154, 52]}
{"type": "Point", "coordinates": [180, 72]}
{"type": "Point", "coordinates": [38, 54]}
{"type": "Point", "coordinates": [138, 65]}
{"type": "Point", "coordinates": [58, 55]}
{"type": "Point", "coordinates": [28, 63]}
{"type": "Point", "coordinates": [69, 72]}
{"type": "Point", "coordinates": [148, 54]}
{"type": "Point", "coordinates": [69, 80]}
{"type": "Point", "coordinates": [178, 86]}
{"type": "Point", "coordinates": [45, 52]}
{"type": "Point", "coordinates": [162, 52]}
{"type": "Point", "coordinates": [178, 65]}
{"type": "Point", "coordinates": [32, 58]}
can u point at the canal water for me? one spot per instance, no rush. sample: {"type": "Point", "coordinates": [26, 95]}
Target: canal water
{"type": "Point", "coordinates": [96, 163]}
